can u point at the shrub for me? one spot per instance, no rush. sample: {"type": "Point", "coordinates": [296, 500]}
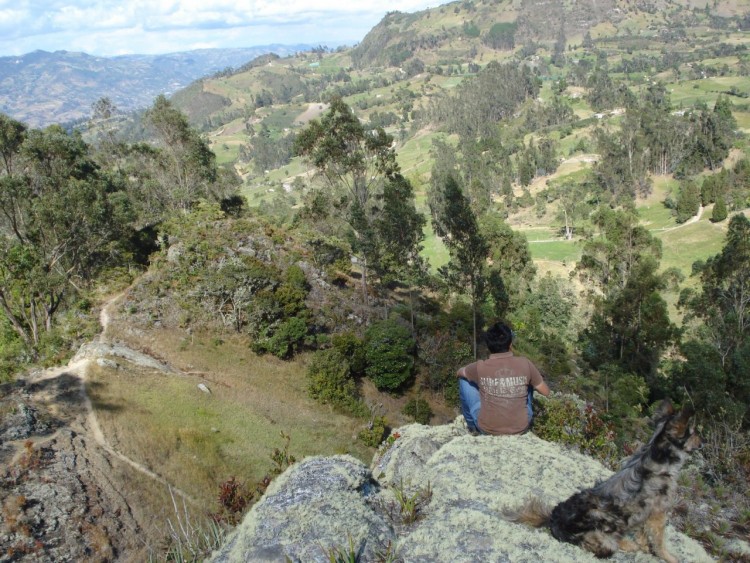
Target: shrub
{"type": "Point", "coordinates": [563, 420]}
{"type": "Point", "coordinates": [286, 339]}
{"type": "Point", "coordinates": [353, 349]}
{"type": "Point", "coordinates": [234, 499]}
{"type": "Point", "coordinates": [719, 212]}
{"type": "Point", "coordinates": [389, 350]}
{"type": "Point", "coordinates": [330, 382]}
{"type": "Point", "coordinates": [374, 433]}
{"type": "Point", "coordinates": [443, 353]}
{"type": "Point", "coordinates": [419, 410]}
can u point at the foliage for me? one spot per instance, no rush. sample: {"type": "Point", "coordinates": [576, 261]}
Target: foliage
{"type": "Point", "coordinates": [444, 347]}
{"type": "Point", "coordinates": [222, 284]}
{"type": "Point", "coordinates": [688, 201]}
{"type": "Point", "coordinates": [374, 433]}
{"type": "Point", "coordinates": [725, 291]}
{"type": "Point", "coordinates": [561, 419]}
{"type": "Point", "coordinates": [724, 351]}
{"type": "Point", "coordinates": [281, 457]}
{"type": "Point", "coordinates": [501, 36]}
{"type": "Point", "coordinates": [719, 212]}
{"type": "Point", "coordinates": [419, 409]}
{"type": "Point", "coordinates": [185, 166]}
{"type": "Point", "coordinates": [62, 222]}
{"type": "Point", "coordinates": [234, 499]}
{"type": "Point", "coordinates": [511, 269]}
{"type": "Point", "coordinates": [331, 381]}
{"type": "Point", "coordinates": [389, 352]}
{"type": "Point", "coordinates": [411, 505]}
{"type": "Point", "coordinates": [493, 95]}
{"type": "Point", "coordinates": [361, 165]}
{"type": "Point", "coordinates": [455, 222]}
{"type": "Point", "coordinates": [345, 554]}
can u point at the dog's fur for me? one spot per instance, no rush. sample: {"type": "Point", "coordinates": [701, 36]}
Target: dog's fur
{"type": "Point", "coordinates": [633, 501]}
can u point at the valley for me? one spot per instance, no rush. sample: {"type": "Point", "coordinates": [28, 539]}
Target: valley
{"type": "Point", "coordinates": [305, 247]}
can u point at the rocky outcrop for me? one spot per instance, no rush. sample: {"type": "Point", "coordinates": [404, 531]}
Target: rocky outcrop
{"type": "Point", "coordinates": [456, 486]}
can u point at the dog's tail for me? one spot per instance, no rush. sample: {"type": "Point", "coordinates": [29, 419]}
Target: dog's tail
{"type": "Point", "coordinates": [533, 512]}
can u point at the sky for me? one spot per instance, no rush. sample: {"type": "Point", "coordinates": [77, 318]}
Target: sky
{"type": "Point", "coordinates": [111, 27]}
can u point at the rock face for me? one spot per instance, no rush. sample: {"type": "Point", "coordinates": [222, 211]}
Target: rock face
{"type": "Point", "coordinates": [458, 484]}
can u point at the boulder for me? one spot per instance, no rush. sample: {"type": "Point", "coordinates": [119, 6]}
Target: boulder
{"type": "Point", "coordinates": [323, 507]}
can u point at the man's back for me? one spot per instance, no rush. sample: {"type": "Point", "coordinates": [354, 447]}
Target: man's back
{"type": "Point", "coordinates": [503, 381]}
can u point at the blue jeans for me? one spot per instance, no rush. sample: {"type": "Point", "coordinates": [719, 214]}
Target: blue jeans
{"type": "Point", "coordinates": [468, 393]}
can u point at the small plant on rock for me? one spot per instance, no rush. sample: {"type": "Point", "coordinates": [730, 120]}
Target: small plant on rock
{"type": "Point", "coordinates": [411, 505]}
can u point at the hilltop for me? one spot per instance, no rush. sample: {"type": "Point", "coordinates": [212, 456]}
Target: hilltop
{"type": "Point", "coordinates": [42, 88]}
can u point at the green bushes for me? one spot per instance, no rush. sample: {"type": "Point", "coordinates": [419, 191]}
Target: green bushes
{"type": "Point", "coordinates": [560, 419]}
{"type": "Point", "coordinates": [389, 351]}
{"type": "Point", "coordinates": [330, 381]}
{"type": "Point", "coordinates": [373, 435]}
{"type": "Point", "coordinates": [419, 410]}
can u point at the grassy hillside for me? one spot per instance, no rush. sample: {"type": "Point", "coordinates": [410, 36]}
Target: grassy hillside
{"type": "Point", "coordinates": [409, 61]}
{"type": "Point", "coordinates": [423, 78]}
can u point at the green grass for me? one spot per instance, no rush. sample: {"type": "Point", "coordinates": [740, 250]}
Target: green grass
{"type": "Point", "coordinates": [414, 156]}
{"type": "Point", "coordinates": [196, 440]}
{"type": "Point", "coordinates": [434, 249]}
{"type": "Point", "coordinates": [697, 241]}
{"type": "Point", "coordinates": [541, 233]}
{"type": "Point", "coordinates": [556, 251]}
{"type": "Point", "coordinates": [687, 93]}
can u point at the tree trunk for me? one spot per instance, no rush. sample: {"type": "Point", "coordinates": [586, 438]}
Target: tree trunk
{"type": "Point", "coordinates": [17, 326]}
{"type": "Point", "coordinates": [364, 281]}
{"type": "Point", "coordinates": [474, 318]}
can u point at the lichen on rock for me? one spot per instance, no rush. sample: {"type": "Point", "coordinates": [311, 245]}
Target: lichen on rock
{"type": "Point", "coordinates": [321, 504]}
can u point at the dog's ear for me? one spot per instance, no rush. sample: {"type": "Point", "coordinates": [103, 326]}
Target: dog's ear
{"type": "Point", "coordinates": [686, 412]}
{"type": "Point", "coordinates": [664, 410]}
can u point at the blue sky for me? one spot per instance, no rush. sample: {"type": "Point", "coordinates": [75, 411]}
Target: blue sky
{"type": "Point", "coordinates": [110, 27]}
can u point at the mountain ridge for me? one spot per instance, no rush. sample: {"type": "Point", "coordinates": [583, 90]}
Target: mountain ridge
{"type": "Point", "coordinates": [42, 87]}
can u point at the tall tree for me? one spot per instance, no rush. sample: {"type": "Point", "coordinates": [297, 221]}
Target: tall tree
{"type": "Point", "coordinates": [400, 230]}
{"type": "Point", "coordinates": [630, 324]}
{"type": "Point", "coordinates": [455, 222]}
{"type": "Point", "coordinates": [723, 302]}
{"type": "Point", "coordinates": [60, 223]}
{"type": "Point", "coordinates": [511, 268]}
{"type": "Point", "coordinates": [609, 258]}
{"type": "Point", "coordinates": [186, 167]}
{"type": "Point", "coordinates": [355, 162]}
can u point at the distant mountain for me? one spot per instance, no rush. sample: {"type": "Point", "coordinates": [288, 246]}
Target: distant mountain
{"type": "Point", "coordinates": [41, 88]}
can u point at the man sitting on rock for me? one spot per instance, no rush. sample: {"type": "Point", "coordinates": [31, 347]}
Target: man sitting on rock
{"type": "Point", "coordinates": [496, 393]}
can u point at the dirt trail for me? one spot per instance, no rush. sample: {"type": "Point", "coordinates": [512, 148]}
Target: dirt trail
{"type": "Point", "coordinates": [78, 368]}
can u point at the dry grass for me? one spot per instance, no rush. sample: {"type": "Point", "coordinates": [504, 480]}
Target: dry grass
{"type": "Point", "coordinates": [196, 440]}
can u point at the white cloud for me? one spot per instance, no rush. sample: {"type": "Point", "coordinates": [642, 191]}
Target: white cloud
{"type": "Point", "coordinates": [111, 26]}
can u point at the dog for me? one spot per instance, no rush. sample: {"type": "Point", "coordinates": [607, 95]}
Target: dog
{"type": "Point", "coordinates": [633, 502]}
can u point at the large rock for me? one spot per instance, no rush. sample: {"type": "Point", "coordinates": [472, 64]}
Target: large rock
{"type": "Point", "coordinates": [322, 506]}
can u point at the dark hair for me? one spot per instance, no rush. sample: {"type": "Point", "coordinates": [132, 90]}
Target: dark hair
{"type": "Point", "coordinates": [498, 338]}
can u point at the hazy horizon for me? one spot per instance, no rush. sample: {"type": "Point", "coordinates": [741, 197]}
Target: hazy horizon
{"type": "Point", "coordinates": [109, 28]}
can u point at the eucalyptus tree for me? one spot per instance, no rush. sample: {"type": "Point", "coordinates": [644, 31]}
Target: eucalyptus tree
{"type": "Point", "coordinates": [359, 166]}
{"type": "Point", "coordinates": [185, 167]}
{"type": "Point", "coordinates": [60, 221]}
{"type": "Point", "coordinates": [454, 221]}
{"type": "Point", "coordinates": [723, 301]}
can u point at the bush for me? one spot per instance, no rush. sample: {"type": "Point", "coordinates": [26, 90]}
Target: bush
{"type": "Point", "coordinates": [330, 381]}
{"type": "Point", "coordinates": [563, 420]}
{"type": "Point", "coordinates": [389, 350]}
{"type": "Point", "coordinates": [373, 435]}
{"type": "Point", "coordinates": [719, 212]}
{"type": "Point", "coordinates": [419, 410]}
{"type": "Point", "coordinates": [286, 339]}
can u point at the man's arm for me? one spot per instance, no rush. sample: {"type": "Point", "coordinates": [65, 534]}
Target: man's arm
{"type": "Point", "coordinates": [543, 389]}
